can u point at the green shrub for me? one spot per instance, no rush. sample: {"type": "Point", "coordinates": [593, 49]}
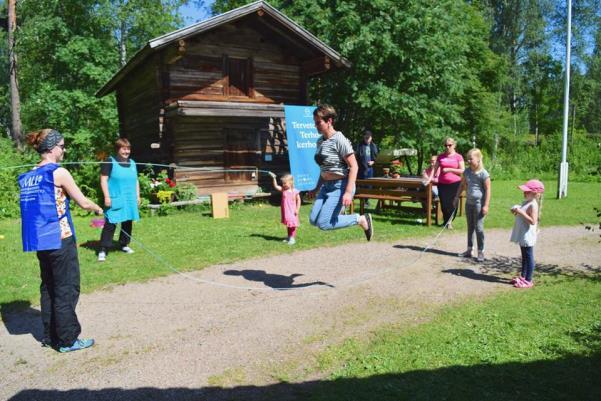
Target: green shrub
{"type": "Point", "coordinates": [185, 191]}
{"type": "Point", "coordinates": [520, 158]}
{"type": "Point", "coordinates": [9, 189]}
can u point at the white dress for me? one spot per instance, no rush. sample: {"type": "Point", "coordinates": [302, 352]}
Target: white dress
{"type": "Point", "coordinates": [523, 232]}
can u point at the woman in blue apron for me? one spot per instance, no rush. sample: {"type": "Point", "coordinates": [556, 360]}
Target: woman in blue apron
{"type": "Point", "coordinates": [121, 189]}
{"type": "Point", "coordinates": [47, 228]}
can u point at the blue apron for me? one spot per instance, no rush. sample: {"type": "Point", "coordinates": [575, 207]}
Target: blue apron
{"type": "Point", "coordinates": [123, 183]}
{"type": "Point", "coordinates": [40, 228]}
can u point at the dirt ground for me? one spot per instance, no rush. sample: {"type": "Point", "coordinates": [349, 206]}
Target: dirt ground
{"type": "Point", "coordinates": [179, 338]}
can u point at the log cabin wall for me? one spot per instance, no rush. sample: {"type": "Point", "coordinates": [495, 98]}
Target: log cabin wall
{"type": "Point", "coordinates": [209, 69]}
{"type": "Point", "coordinates": [139, 106]}
{"type": "Point", "coordinates": [215, 145]}
{"type": "Point", "coordinates": [214, 59]}
{"type": "Point", "coordinates": [212, 94]}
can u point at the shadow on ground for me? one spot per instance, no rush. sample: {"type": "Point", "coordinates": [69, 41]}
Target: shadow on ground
{"type": "Point", "coordinates": [430, 250]}
{"type": "Point", "coordinates": [493, 269]}
{"type": "Point", "coordinates": [273, 280]}
{"type": "Point", "coordinates": [568, 377]}
{"type": "Point", "coordinates": [94, 245]}
{"type": "Point", "coordinates": [20, 318]}
{"type": "Point", "coordinates": [269, 237]}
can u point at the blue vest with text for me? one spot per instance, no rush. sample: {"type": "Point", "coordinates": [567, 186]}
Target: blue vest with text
{"type": "Point", "coordinates": [40, 228]}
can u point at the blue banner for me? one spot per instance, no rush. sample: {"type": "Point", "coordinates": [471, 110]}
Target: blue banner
{"type": "Point", "coordinates": [302, 138]}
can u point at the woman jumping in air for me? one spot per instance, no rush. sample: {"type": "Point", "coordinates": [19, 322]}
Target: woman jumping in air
{"type": "Point", "coordinates": [338, 172]}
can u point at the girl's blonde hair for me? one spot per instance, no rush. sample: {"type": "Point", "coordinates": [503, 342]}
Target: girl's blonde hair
{"type": "Point", "coordinates": [539, 199]}
{"type": "Point", "coordinates": [475, 152]}
{"type": "Point", "coordinates": [288, 178]}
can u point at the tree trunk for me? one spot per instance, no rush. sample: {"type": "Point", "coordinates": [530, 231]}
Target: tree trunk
{"type": "Point", "coordinates": [15, 102]}
{"type": "Point", "coordinates": [536, 124]}
{"type": "Point", "coordinates": [123, 43]}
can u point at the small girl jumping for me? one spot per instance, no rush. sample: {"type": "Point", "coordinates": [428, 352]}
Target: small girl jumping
{"type": "Point", "coordinates": [476, 182]}
{"type": "Point", "coordinates": [525, 230]}
{"type": "Point", "coordinates": [291, 203]}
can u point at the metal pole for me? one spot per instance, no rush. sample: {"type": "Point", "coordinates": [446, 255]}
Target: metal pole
{"type": "Point", "coordinates": [562, 190]}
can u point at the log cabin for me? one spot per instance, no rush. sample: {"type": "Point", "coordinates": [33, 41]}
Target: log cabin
{"type": "Point", "coordinates": [210, 97]}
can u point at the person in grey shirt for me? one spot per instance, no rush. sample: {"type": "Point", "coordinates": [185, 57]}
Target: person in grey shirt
{"type": "Point", "coordinates": [338, 172]}
{"type": "Point", "coordinates": [476, 183]}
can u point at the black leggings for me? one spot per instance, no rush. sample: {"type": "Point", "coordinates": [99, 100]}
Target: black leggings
{"type": "Point", "coordinates": [447, 193]}
{"type": "Point", "coordinates": [59, 293]}
{"type": "Point", "coordinates": [108, 231]}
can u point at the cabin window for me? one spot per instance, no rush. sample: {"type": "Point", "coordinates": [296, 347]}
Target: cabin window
{"type": "Point", "coordinates": [239, 73]}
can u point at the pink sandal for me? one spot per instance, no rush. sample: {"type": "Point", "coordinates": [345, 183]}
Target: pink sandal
{"type": "Point", "coordinates": [517, 279]}
{"type": "Point", "coordinates": [523, 284]}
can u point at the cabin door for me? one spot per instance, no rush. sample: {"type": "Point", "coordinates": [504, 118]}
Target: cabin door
{"type": "Point", "coordinates": [241, 151]}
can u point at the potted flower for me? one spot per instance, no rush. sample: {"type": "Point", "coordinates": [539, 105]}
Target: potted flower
{"type": "Point", "coordinates": [395, 168]}
{"type": "Point", "coordinates": [162, 188]}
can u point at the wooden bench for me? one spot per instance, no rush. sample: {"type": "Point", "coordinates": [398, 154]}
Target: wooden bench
{"type": "Point", "coordinates": [404, 189]}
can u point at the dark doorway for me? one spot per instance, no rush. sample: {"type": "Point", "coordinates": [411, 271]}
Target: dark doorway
{"type": "Point", "coordinates": [241, 151]}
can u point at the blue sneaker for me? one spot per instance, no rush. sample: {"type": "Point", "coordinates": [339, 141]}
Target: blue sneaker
{"type": "Point", "coordinates": [77, 345]}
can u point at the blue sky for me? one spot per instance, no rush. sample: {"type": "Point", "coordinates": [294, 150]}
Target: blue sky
{"type": "Point", "coordinates": [194, 14]}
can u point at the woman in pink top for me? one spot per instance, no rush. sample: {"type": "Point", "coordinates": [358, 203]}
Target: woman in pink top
{"type": "Point", "coordinates": [451, 166]}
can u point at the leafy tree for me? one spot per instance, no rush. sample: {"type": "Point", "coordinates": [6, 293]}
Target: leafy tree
{"type": "Point", "coordinates": [66, 56]}
{"type": "Point", "coordinates": [591, 99]}
{"type": "Point", "coordinates": [421, 71]}
{"type": "Point", "coordinates": [69, 49]}
{"type": "Point", "coordinates": [4, 88]}
{"type": "Point", "coordinates": [134, 22]}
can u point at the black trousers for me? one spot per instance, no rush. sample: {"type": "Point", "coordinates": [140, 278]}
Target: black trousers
{"type": "Point", "coordinates": [446, 193]}
{"type": "Point", "coordinates": [59, 293]}
{"type": "Point", "coordinates": [108, 231]}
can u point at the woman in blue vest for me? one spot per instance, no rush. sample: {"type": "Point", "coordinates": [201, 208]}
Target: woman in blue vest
{"type": "Point", "coordinates": [47, 228]}
{"type": "Point", "coordinates": [121, 189]}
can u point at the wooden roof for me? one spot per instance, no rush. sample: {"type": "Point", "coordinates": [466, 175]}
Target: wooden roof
{"type": "Point", "coordinates": [292, 28]}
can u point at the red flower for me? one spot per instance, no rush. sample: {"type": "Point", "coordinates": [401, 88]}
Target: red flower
{"type": "Point", "coordinates": [172, 184]}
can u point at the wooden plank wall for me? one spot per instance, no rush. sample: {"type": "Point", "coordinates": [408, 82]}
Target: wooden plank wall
{"type": "Point", "coordinates": [139, 106]}
{"type": "Point", "coordinates": [199, 74]}
{"type": "Point", "coordinates": [199, 142]}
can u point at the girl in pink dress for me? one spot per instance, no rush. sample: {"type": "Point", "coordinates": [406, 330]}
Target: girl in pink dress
{"type": "Point", "coordinates": [291, 203]}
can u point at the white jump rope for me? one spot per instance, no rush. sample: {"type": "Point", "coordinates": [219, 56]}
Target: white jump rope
{"type": "Point", "coordinates": [170, 266]}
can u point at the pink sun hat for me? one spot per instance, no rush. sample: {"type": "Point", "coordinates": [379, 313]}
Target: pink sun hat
{"type": "Point", "coordinates": [533, 186]}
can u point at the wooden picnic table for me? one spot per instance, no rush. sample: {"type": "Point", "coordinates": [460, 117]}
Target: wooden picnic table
{"type": "Point", "coordinates": [403, 189]}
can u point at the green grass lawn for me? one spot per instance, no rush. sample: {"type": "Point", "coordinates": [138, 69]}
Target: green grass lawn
{"type": "Point", "coordinates": [540, 344]}
{"type": "Point", "coordinates": [192, 240]}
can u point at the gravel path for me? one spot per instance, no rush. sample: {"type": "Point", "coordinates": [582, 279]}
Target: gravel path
{"type": "Point", "coordinates": [176, 338]}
